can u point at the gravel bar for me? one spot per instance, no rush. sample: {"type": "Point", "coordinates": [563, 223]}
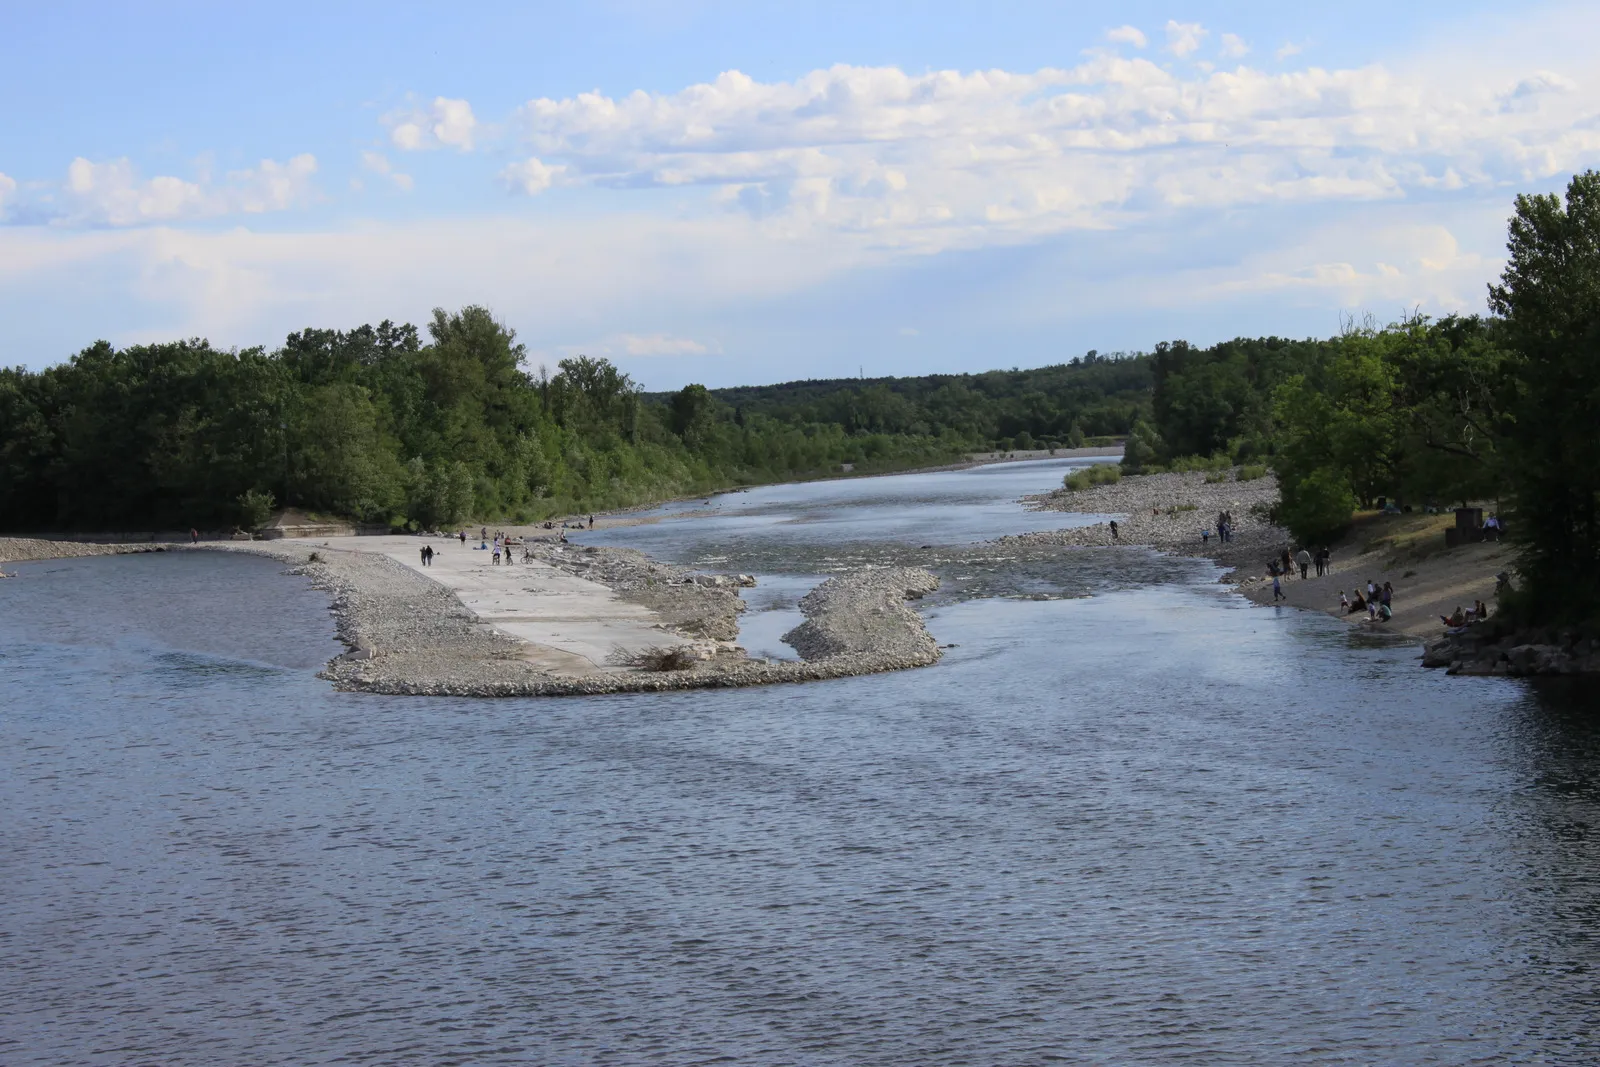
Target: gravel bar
{"type": "Point", "coordinates": [1167, 512]}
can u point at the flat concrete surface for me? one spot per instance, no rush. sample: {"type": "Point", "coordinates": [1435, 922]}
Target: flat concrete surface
{"type": "Point", "coordinates": [577, 626]}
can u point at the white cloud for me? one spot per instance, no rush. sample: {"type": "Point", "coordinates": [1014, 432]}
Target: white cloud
{"type": "Point", "coordinates": [112, 193]}
{"type": "Point", "coordinates": [921, 163]}
{"type": "Point", "coordinates": [8, 191]}
{"type": "Point", "coordinates": [659, 344]}
{"type": "Point", "coordinates": [1233, 46]}
{"type": "Point", "coordinates": [1289, 48]}
{"type": "Point", "coordinates": [1127, 35]}
{"type": "Point", "coordinates": [445, 123]}
{"type": "Point", "coordinates": [378, 163]}
{"type": "Point", "coordinates": [1184, 37]}
{"type": "Point", "coordinates": [530, 176]}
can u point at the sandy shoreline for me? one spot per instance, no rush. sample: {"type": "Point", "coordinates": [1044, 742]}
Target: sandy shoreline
{"type": "Point", "coordinates": [1402, 550]}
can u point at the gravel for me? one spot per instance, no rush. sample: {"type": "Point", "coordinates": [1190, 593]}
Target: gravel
{"type": "Point", "coordinates": [410, 636]}
{"type": "Point", "coordinates": [1147, 510]}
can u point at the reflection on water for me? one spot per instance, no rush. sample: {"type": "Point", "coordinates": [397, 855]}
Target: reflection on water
{"type": "Point", "coordinates": [1150, 826]}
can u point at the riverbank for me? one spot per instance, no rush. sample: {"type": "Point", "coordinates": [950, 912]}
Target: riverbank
{"type": "Point", "coordinates": [1166, 512]}
{"type": "Point", "coordinates": [29, 549]}
{"type": "Point", "coordinates": [1169, 512]}
{"type": "Point", "coordinates": [1409, 553]}
{"type": "Point", "coordinates": [546, 628]}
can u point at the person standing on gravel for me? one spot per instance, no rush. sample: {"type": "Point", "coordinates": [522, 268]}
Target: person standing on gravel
{"type": "Point", "coordinates": [1114, 535]}
{"type": "Point", "coordinates": [1304, 559]}
{"type": "Point", "coordinates": [1277, 589]}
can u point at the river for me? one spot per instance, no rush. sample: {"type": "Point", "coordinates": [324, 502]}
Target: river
{"type": "Point", "coordinates": [1129, 819]}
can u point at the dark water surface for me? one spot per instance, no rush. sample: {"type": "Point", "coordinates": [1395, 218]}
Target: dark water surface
{"type": "Point", "coordinates": [1153, 826]}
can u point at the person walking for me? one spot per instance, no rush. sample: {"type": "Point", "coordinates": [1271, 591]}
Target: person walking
{"type": "Point", "coordinates": [194, 536]}
{"type": "Point", "coordinates": [1114, 535]}
{"type": "Point", "coordinates": [1277, 589]}
{"type": "Point", "coordinates": [422, 554]}
{"type": "Point", "coordinates": [1304, 559]}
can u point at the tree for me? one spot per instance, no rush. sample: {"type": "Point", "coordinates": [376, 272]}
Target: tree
{"type": "Point", "coordinates": [1549, 296]}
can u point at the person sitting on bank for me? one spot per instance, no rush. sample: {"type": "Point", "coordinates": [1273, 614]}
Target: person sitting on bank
{"type": "Point", "coordinates": [1384, 614]}
{"type": "Point", "coordinates": [1456, 620]}
{"type": "Point", "coordinates": [1359, 603]}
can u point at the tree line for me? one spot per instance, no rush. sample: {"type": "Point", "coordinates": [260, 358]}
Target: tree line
{"type": "Point", "coordinates": [388, 424]}
{"type": "Point", "coordinates": [1502, 409]}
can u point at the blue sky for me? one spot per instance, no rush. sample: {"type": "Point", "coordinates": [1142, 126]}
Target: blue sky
{"type": "Point", "coordinates": [738, 193]}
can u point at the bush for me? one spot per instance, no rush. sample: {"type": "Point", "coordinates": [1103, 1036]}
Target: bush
{"type": "Point", "coordinates": [1187, 464]}
{"type": "Point", "coordinates": [1317, 507]}
{"type": "Point", "coordinates": [657, 659]}
{"type": "Point", "coordinates": [1250, 472]}
{"type": "Point", "coordinates": [1095, 474]}
{"type": "Point", "coordinates": [1215, 477]}
{"type": "Point", "coordinates": [255, 508]}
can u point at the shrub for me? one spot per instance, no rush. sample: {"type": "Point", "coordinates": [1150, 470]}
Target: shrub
{"type": "Point", "coordinates": [1095, 474]}
{"type": "Point", "coordinates": [1250, 472]}
{"type": "Point", "coordinates": [1216, 476]}
{"type": "Point", "coordinates": [1317, 507]}
{"type": "Point", "coordinates": [1186, 464]}
{"type": "Point", "coordinates": [657, 659]}
{"type": "Point", "coordinates": [255, 508]}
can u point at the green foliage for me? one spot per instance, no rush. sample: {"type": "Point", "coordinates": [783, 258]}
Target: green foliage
{"type": "Point", "coordinates": [1189, 464]}
{"type": "Point", "coordinates": [1100, 395]}
{"type": "Point", "coordinates": [255, 508]}
{"type": "Point", "coordinates": [378, 424]}
{"type": "Point", "coordinates": [1251, 471]}
{"type": "Point", "coordinates": [1317, 506]}
{"type": "Point", "coordinates": [1143, 447]}
{"type": "Point", "coordinates": [1094, 474]}
{"type": "Point", "coordinates": [1549, 297]}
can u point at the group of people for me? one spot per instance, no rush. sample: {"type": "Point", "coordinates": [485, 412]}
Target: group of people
{"type": "Point", "coordinates": [1224, 526]}
{"type": "Point", "coordinates": [1378, 602]}
{"type": "Point", "coordinates": [1288, 561]}
{"type": "Point", "coordinates": [503, 543]}
{"type": "Point", "coordinates": [1459, 618]}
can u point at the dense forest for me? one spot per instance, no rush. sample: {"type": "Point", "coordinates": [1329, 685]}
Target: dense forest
{"type": "Point", "coordinates": [1056, 406]}
{"type": "Point", "coordinates": [385, 425]}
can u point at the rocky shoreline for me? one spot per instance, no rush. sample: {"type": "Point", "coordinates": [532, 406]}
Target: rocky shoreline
{"type": "Point", "coordinates": [410, 636]}
{"type": "Point", "coordinates": [1167, 512]}
{"type": "Point", "coordinates": [30, 549]}
{"type": "Point", "coordinates": [1487, 649]}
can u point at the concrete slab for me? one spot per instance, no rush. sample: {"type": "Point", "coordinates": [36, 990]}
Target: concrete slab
{"type": "Point", "coordinates": [575, 625]}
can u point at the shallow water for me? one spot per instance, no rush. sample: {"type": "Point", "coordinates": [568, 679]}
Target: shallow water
{"type": "Point", "coordinates": [1151, 826]}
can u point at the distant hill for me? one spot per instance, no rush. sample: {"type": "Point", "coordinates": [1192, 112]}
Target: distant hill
{"type": "Point", "coordinates": [1044, 406]}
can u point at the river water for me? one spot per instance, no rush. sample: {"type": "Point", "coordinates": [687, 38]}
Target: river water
{"type": "Point", "coordinates": [1152, 825]}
